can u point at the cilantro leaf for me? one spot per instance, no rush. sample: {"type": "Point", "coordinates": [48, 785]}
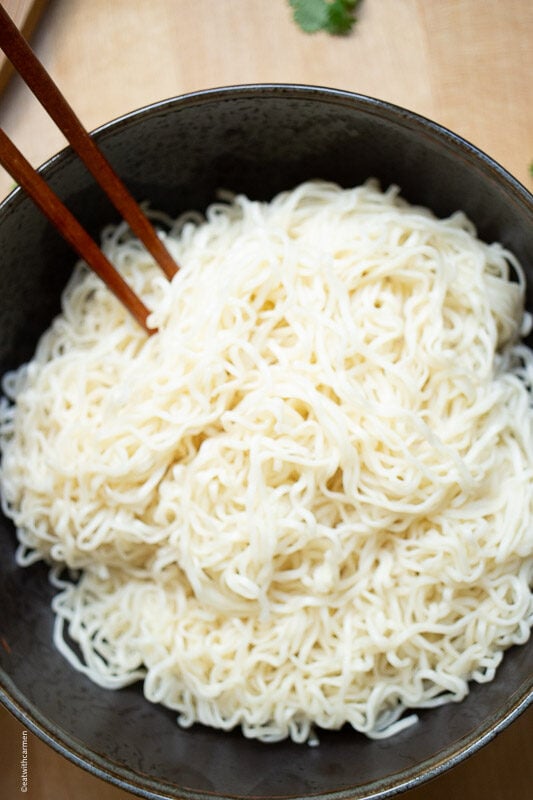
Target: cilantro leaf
{"type": "Point", "coordinates": [310, 15]}
{"type": "Point", "coordinates": [341, 17]}
{"type": "Point", "coordinates": [334, 16]}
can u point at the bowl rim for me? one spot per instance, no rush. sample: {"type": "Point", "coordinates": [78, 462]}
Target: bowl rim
{"type": "Point", "coordinates": [371, 104]}
{"type": "Point", "coordinates": [152, 788]}
{"type": "Point", "coordinates": [155, 789]}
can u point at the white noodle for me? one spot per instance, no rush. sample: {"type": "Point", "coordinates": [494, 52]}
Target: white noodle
{"type": "Point", "coordinates": [307, 501]}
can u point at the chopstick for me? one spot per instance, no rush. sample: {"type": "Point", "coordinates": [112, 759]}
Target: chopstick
{"type": "Point", "coordinates": [43, 87]}
{"type": "Point", "coordinates": [14, 162]}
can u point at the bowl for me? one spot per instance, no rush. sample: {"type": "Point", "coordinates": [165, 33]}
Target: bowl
{"type": "Point", "coordinates": [257, 139]}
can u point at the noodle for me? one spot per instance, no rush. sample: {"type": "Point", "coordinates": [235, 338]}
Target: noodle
{"type": "Point", "coordinates": [307, 501]}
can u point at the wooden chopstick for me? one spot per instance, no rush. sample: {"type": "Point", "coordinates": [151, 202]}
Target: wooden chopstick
{"type": "Point", "coordinates": [16, 164]}
{"type": "Point", "coordinates": [43, 87]}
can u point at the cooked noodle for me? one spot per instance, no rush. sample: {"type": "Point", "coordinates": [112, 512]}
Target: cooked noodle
{"type": "Point", "coordinates": [307, 501]}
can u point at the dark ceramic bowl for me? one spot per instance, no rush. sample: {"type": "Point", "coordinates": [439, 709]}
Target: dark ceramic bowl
{"type": "Point", "coordinates": [259, 140]}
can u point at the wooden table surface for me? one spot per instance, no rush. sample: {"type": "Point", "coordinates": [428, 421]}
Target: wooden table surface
{"type": "Point", "coordinates": [467, 64]}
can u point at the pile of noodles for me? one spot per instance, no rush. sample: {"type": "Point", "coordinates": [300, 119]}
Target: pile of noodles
{"type": "Point", "coordinates": [308, 500]}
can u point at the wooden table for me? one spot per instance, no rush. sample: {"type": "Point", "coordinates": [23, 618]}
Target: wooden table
{"type": "Point", "coordinates": [465, 63]}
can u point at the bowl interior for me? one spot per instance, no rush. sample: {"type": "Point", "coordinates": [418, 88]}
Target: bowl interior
{"type": "Point", "coordinates": [176, 154]}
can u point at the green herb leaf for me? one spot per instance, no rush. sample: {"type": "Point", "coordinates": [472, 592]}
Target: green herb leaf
{"type": "Point", "coordinates": [341, 17]}
{"type": "Point", "coordinates": [310, 15]}
{"type": "Point", "coordinates": [334, 16]}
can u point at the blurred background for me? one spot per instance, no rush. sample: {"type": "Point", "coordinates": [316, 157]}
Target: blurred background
{"type": "Point", "coordinates": [467, 64]}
